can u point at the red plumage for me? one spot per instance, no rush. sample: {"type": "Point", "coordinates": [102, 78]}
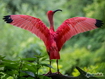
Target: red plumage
{"type": "Point", "coordinates": [32, 24]}
{"type": "Point", "coordinates": [73, 26]}
{"type": "Point", "coordinates": [53, 40]}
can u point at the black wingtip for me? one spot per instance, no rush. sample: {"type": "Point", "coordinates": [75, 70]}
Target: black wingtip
{"type": "Point", "coordinates": [7, 19]}
{"type": "Point", "coordinates": [99, 23]}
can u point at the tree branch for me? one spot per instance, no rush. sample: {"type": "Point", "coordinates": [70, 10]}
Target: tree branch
{"type": "Point", "coordinates": [83, 75]}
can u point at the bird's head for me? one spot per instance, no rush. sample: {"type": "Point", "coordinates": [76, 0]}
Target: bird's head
{"type": "Point", "coordinates": [50, 17]}
{"type": "Point", "coordinates": [51, 13]}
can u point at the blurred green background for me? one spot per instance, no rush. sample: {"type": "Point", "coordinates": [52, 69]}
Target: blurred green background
{"type": "Point", "coordinates": [86, 50]}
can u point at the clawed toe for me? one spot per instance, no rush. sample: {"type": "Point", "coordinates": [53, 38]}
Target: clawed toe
{"type": "Point", "coordinates": [49, 73]}
{"type": "Point", "coordinates": [58, 73]}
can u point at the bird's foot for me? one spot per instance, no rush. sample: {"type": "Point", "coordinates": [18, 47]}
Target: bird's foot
{"type": "Point", "coordinates": [49, 73]}
{"type": "Point", "coordinates": [58, 73]}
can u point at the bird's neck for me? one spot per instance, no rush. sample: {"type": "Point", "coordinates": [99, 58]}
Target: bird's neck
{"type": "Point", "coordinates": [50, 18]}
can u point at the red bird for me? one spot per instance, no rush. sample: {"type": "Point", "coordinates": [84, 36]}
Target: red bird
{"type": "Point", "coordinates": [53, 40]}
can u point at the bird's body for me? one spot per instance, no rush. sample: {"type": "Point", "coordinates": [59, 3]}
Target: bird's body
{"type": "Point", "coordinates": [52, 47]}
{"type": "Point", "coordinates": [53, 40]}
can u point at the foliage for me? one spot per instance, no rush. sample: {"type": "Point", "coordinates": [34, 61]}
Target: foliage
{"type": "Point", "coordinates": [25, 68]}
{"type": "Point", "coordinates": [91, 62]}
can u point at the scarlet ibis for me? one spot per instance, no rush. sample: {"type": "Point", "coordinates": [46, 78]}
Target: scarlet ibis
{"type": "Point", "coordinates": [53, 40]}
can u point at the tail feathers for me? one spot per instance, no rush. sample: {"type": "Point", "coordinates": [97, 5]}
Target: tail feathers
{"type": "Point", "coordinates": [53, 51]}
{"type": "Point", "coordinates": [54, 55]}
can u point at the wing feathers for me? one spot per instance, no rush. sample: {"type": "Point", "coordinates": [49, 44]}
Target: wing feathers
{"type": "Point", "coordinates": [69, 27]}
{"type": "Point", "coordinates": [99, 23]}
{"type": "Point", "coordinates": [73, 26]}
{"type": "Point", "coordinates": [29, 23]}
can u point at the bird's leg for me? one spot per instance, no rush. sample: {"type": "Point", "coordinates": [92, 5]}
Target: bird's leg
{"type": "Point", "coordinates": [57, 67]}
{"type": "Point", "coordinates": [50, 67]}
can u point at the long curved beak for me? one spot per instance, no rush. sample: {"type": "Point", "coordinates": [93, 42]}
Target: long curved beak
{"type": "Point", "coordinates": [57, 10]}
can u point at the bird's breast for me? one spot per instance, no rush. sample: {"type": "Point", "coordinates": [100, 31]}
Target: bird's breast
{"type": "Point", "coordinates": [51, 40]}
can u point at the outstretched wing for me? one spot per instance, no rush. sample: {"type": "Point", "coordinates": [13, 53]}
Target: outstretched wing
{"type": "Point", "coordinates": [73, 26]}
{"type": "Point", "coordinates": [29, 23]}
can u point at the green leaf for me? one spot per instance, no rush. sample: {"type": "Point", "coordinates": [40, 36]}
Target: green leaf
{"type": "Point", "coordinates": [10, 77]}
{"type": "Point", "coordinates": [38, 56]}
{"type": "Point", "coordinates": [30, 67]}
{"type": "Point", "coordinates": [5, 77]}
{"type": "Point", "coordinates": [29, 73]}
{"type": "Point", "coordinates": [11, 65]}
{"type": "Point", "coordinates": [2, 57]}
{"type": "Point", "coordinates": [29, 59]}
{"type": "Point", "coordinates": [47, 65]}
{"type": "Point", "coordinates": [43, 59]}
